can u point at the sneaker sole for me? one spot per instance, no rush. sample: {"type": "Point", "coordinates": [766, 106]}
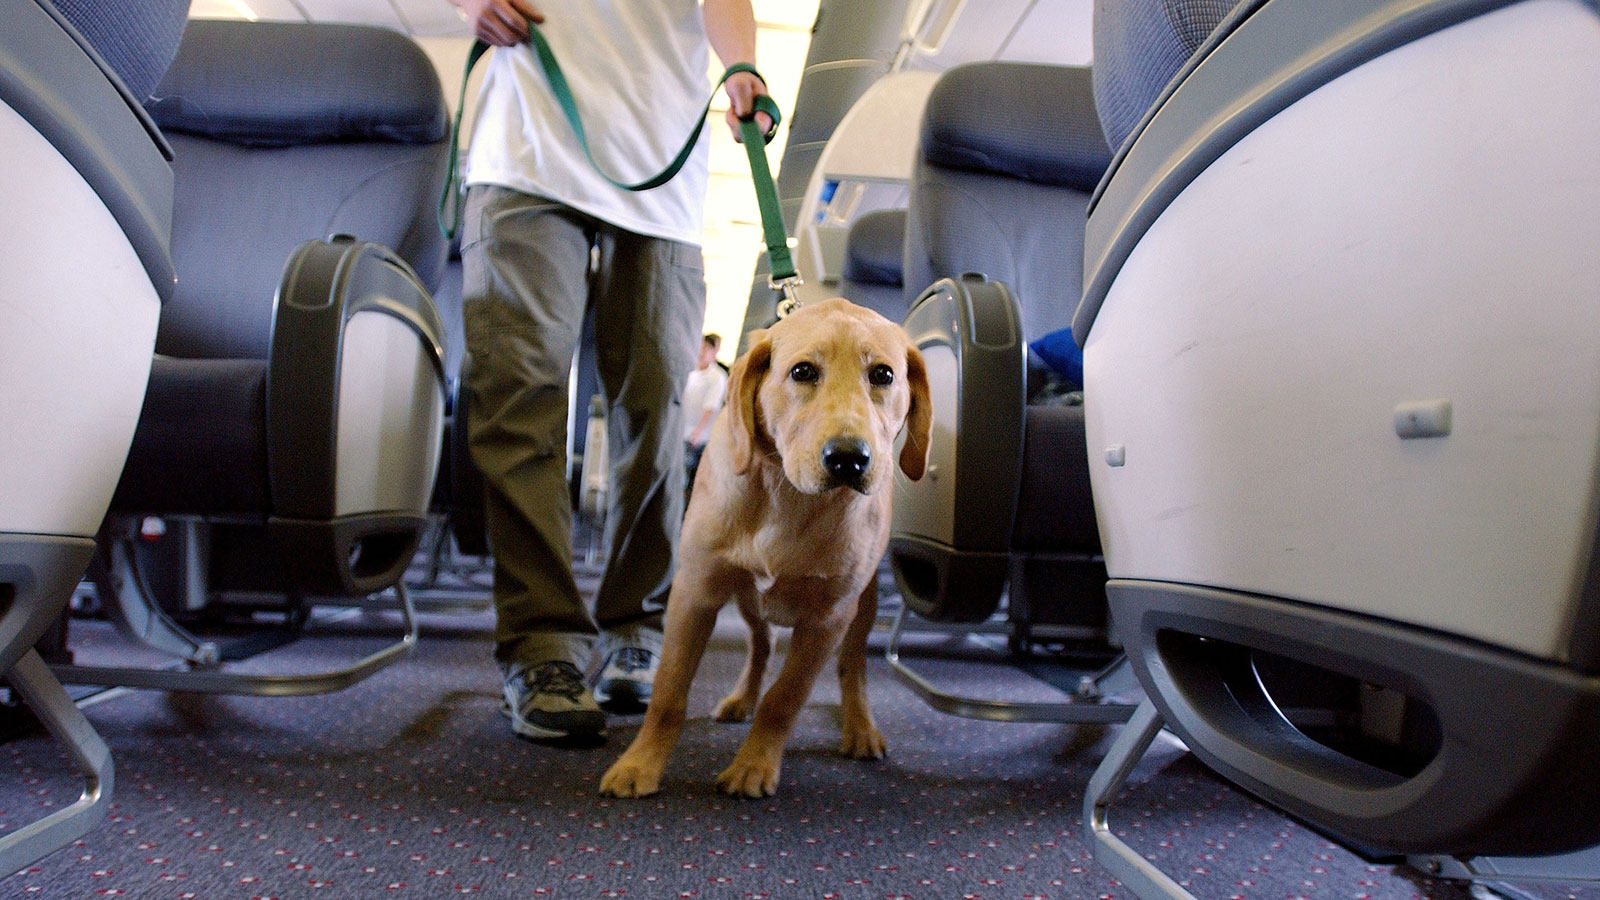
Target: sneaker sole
{"type": "Point", "coordinates": [537, 732]}
{"type": "Point", "coordinates": [624, 696]}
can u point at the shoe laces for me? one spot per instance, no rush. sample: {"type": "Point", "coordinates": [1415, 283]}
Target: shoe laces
{"type": "Point", "coordinates": [632, 659]}
{"type": "Point", "coordinates": [559, 678]}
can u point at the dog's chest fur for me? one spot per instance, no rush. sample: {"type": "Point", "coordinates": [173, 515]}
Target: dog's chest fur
{"type": "Point", "coordinates": [839, 533]}
{"type": "Point", "coordinates": [786, 580]}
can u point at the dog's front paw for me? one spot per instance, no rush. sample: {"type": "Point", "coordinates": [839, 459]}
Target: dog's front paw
{"type": "Point", "coordinates": [631, 778]}
{"type": "Point", "coordinates": [749, 778]}
{"type": "Point", "coordinates": [863, 742]}
{"type": "Point", "coordinates": [735, 708]}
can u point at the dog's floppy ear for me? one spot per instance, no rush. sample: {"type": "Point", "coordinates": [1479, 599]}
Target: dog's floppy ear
{"type": "Point", "coordinates": [743, 381]}
{"type": "Point", "coordinates": [919, 420]}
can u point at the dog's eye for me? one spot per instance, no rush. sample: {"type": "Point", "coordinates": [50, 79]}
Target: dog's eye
{"type": "Point", "coordinates": [804, 372]}
{"type": "Point", "coordinates": [881, 376]}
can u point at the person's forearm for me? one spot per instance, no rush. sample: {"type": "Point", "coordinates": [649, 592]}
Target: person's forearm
{"type": "Point", "coordinates": [731, 29]}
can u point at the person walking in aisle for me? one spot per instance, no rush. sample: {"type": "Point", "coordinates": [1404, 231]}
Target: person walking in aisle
{"type": "Point", "coordinates": [703, 394]}
{"type": "Point", "coordinates": [544, 237]}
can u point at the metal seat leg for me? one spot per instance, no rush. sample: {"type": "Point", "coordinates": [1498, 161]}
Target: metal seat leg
{"type": "Point", "coordinates": [1122, 861]}
{"type": "Point", "coordinates": [1578, 867]}
{"type": "Point", "coordinates": [32, 679]}
{"type": "Point", "coordinates": [132, 608]}
{"type": "Point", "coordinates": [1086, 709]}
{"type": "Point", "coordinates": [214, 681]}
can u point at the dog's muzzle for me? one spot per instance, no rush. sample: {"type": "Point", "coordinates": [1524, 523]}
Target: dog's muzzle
{"type": "Point", "coordinates": [847, 460]}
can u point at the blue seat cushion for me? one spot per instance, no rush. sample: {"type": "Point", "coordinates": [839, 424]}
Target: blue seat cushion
{"type": "Point", "coordinates": [1062, 354]}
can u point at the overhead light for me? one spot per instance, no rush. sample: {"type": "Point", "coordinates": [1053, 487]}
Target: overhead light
{"type": "Point", "coordinates": [223, 9]}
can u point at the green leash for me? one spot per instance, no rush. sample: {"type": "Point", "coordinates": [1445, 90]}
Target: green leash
{"type": "Point", "coordinates": [783, 278]}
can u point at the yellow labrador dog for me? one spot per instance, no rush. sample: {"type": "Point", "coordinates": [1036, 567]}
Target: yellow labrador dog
{"type": "Point", "coordinates": [789, 517]}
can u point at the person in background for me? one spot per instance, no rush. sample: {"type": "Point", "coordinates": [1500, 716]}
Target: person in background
{"type": "Point", "coordinates": [703, 394]}
{"type": "Point", "coordinates": [545, 237]}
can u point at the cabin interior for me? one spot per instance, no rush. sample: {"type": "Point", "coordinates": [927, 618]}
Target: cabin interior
{"type": "Point", "coordinates": [1260, 559]}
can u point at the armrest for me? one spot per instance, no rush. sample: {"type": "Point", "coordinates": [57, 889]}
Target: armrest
{"type": "Point", "coordinates": [950, 540]}
{"type": "Point", "coordinates": [355, 411]}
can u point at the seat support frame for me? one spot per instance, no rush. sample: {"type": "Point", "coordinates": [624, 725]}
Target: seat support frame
{"type": "Point", "coordinates": [139, 616]}
{"type": "Point", "coordinates": [31, 678]}
{"type": "Point", "coordinates": [127, 598]}
{"type": "Point", "coordinates": [1148, 882]}
{"type": "Point", "coordinates": [1122, 861]}
{"type": "Point", "coordinates": [1581, 866]}
{"type": "Point", "coordinates": [1086, 708]}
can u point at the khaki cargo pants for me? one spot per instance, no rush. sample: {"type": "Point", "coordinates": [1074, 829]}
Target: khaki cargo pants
{"type": "Point", "coordinates": [531, 267]}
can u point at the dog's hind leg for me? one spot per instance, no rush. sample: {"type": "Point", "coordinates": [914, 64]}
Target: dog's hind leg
{"type": "Point", "coordinates": [861, 738]}
{"type": "Point", "coordinates": [689, 621]}
{"type": "Point", "coordinates": [741, 701]}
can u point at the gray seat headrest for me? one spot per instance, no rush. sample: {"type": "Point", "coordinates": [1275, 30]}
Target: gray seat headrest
{"type": "Point", "coordinates": [350, 82]}
{"type": "Point", "coordinates": [1139, 45]}
{"type": "Point", "coordinates": [136, 40]}
{"type": "Point", "coordinates": [875, 249]}
{"type": "Point", "coordinates": [985, 117]}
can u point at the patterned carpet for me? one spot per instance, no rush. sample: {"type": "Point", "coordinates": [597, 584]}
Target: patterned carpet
{"type": "Point", "coordinates": [410, 785]}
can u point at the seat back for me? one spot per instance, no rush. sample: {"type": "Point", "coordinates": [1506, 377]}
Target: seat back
{"type": "Point", "coordinates": [87, 197]}
{"type": "Point", "coordinates": [137, 40]}
{"type": "Point", "coordinates": [1008, 155]}
{"type": "Point", "coordinates": [87, 192]}
{"type": "Point", "coordinates": [269, 153]}
{"type": "Point", "coordinates": [1139, 46]}
{"type": "Point", "coordinates": [1001, 190]}
{"type": "Point", "coordinates": [1290, 497]}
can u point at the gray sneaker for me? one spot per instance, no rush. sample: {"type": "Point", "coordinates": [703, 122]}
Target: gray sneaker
{"type": "Point", "coordinates": [551, 702]}
{"type": "Point", "coordinates": [624, 682]}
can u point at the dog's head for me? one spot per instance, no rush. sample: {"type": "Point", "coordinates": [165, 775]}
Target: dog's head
{"type": "Point", "coordinates": [826, 390]}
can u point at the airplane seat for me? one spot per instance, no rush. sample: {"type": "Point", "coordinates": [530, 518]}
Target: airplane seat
{"type": "Point", "coordinates": [1139, 47]}
{"type": "Point", "coordinates": [1342, 382]}
{"type": "Point", "coordinates": [293, 425]}
{"type": "Point", "coordinates": [1009, 152]}
{"type": "Point", "coordinates": [88, 192]}
{"type": "Point", "coordinates": [1003, 147]}
{"type": "Point", "coordinates": [284, 132]}
{"type": "Point", "coordinates": [136, 40]}
{"type": "Point", "coordinates": [873, 259]}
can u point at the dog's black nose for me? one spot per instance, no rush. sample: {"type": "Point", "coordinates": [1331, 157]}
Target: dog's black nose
{"type": "Point", "coordinates": [847, 459]}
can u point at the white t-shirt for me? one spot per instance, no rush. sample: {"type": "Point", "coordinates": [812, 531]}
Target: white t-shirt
{"type": "Point", "coordinates": [637, 70]}
{"type": "Point", "coordinates": [702, 392]}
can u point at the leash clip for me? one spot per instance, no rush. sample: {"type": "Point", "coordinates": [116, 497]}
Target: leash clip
{"type": "Point", "coordinates": [791, 294]}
